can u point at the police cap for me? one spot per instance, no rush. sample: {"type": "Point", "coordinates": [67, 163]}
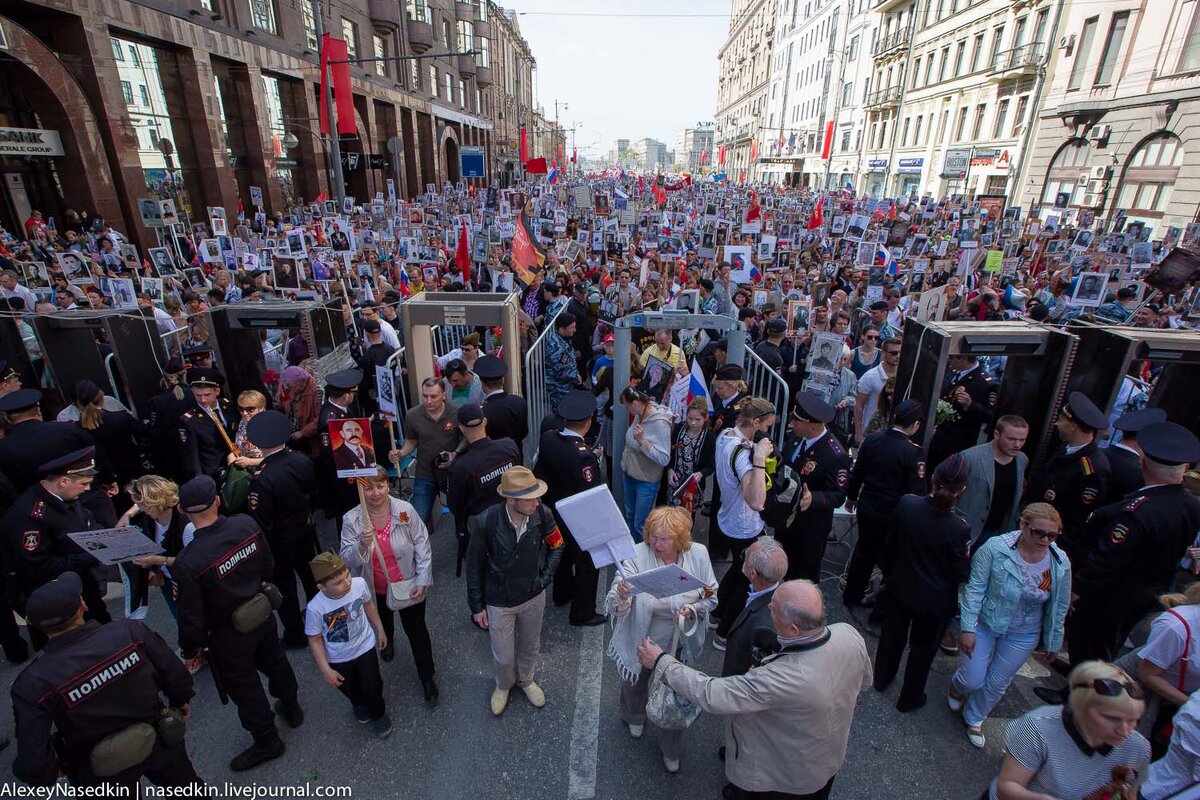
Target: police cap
{"type": "Point", "coordinates": [56, 602]}
{"type": "Point", "coordinates": [577, 406]}
{"type": "Point", "coordinates": [1169, 444]}
{"type": "Point", "coordinates": [1082, 410]}
{"type": "Point", "coordinates": [20, 400]}
{"type": "Point", "coordinates": [204, 377]}
{"type": "Point", "coordinates": [76, 464]}
{"type": "Point", "coordinates": [1132, 422]}
{"type": "Point", "coordinates": [490, 368]}
{"type": "Point", "coordinates": [730, 372]}
{"type": "Point", "coordinates": [268, 429]}
{"type": "Point", "coordinates": [345, 379]}
{"type": "Point", "coordinates": [811, 408]}
{"type": "Point", "coordinates": [470, 415]}
{"type": "Point", "coordinates": [198, 494]}
{"type": "Point", "coordinates": [7, 371]}
{"type": "Point", "coordinates": [908, 412]}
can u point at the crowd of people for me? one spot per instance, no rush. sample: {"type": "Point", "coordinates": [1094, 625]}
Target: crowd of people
{"type": "Point", "coordinates": [264, 545]}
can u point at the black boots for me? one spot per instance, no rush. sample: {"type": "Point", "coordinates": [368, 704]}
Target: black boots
{"type": "Point", "coordinates": [291, 712]}
{"type": "Point", "coordinates": [264, 749]}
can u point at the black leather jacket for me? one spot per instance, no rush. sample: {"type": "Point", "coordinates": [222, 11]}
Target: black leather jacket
{"type": "Point", "coordinates": [505, 572]}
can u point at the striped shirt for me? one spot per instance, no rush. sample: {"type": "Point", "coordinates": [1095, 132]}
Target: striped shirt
{"type": "Point", "coordinates": [1039, 741]}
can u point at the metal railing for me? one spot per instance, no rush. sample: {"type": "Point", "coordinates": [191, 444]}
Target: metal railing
{"type": "Point", "coordinates": [447, 337]}
{"type": "Point", "coordinates": [537, 394]}
{"type": "Point", "coordinates": [890, 43]}
{"type": "Point", "coordinates": [1027, 55]}
{"type": "Point", "coordinates": [883, 97]}
{"type": "Point", "coordinates": [394, 362]}
{"type": "Point", "coordinates": [762, 381]}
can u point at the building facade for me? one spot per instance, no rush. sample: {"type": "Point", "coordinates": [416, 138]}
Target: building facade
{"type": "Point", "coordinates": [743, 84]}
{"type": "Point", "coordinates": [200, 100]}
{"type": "Point", "coordinates": [851, 85]}
{"type": "Point", "coordinates": [952, 95]}
{"type": "Point", "coordinates": [691, 146]}
{"type": "Point", "coordinates": [1120, 125]}
{"type": "Point", "coordinates": [650, 155]}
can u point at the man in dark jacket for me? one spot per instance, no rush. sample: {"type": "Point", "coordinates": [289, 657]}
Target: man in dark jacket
{"type": "Point", "coordinates": [973, 394]}
{"type": "Point", "coordinates": [515, 549]}
{"type": "Point", "coordinates": [752, 634]}
{"type": "Point", "coordinates": [507, 414]}
{"type": "Point", "coordinates": [1125, 456]}
{"type": "Point", "coordinates": [475, 474]}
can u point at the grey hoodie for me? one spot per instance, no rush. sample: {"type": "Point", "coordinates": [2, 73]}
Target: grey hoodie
{"type": "Point", "coordinates": [646, 462]}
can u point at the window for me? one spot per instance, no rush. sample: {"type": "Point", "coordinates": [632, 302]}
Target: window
{"type": "Point", "coordinates": [1019, 33]}
{"type": "Point", "coordinates": [1112, 48]}
{"type": "Point", "coordinates": [380, 47]}
{"type": "Point", "coordinates": [433, 81]}
{"type": "Point", "coordinates": [945, 64]}
{"type": "Point", "coordinates": [133, 55]}
{"type": "Point", "coordinates": [976, 52]}
{"type": "Point", "coordinates": [143, 94]}
{"type": "Point", "coordinates": [415, 75]}
{"type": "Point", "coordinates": [959, 57]}
{"type": "Point", "coordinates": [483, 51]}
{"type": "Point", "coordinates": [310, 25]}
{"type": "Point", "coordinates": [262, 15]}
{"type": "Point", "coordinates": [446, 33]}
{"type": "Point", "coordinates": [917, 130]}
{"type": "Point", "coordinates": [462, 93]}
{"type": "Point", "coordinates": [418, 10]}
{"type": "Point", "coordinates": [1022, 110]}
{"type": "Point", "coordinates": [929, 69]}
{"type": "Point", "coordinates": [1190, 59]}
{"type": "Point", "coordinates": [916, 72]}
{"type": "Point", "coordinates": [941, 134]}
{"type": "Point", "coordinates": [1001, 117]}
{"type": "Point", "coordinates": [118, 54]}
{"type": "Point", "coordinates": [845, 141]}
{"type": "Point", "coordinates": [466, 35]}
{"type": "Point", "coordinates": [1039, 29]}
{"type": "Point", "coordinates": [978, 129]}
{"type": "Point", "coordinates": [904, 136]}
{"type": "Point", "coordinates": [1150, 176]}
{"type": "Point", "coordinates": [854, 48]}
{"type": "Point", "coordinates": [997, 44]}
{"type": "Point", "coordinates": [1063, 175]}
{"type": "Point", "coordinates": [1081, 53]}
{"type": "Point", "coordinates": [847, 93]}
{"type": "Point", "coordinates": [449, 87]}
{"type": "Point", "coordinates": [127, 91]}
{"type": "Point", "coordinates": [350, 34]}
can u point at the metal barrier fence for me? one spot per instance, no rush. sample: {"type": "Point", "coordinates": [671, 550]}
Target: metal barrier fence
{"type": "Point", "coordinates": [762, 381]}
{"type": "Point", "coordinates": [447, 337]}
{"type": "Point", "coordinates": [537, 395]}
{"type": "Point", "coordinates": [395, 363]}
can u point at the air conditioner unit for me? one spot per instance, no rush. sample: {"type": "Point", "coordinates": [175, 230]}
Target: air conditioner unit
{"type": "Point", "coordinates": [1097, 186]}
{"type": "Point", "coordinates": [1099, 132]}
{"type": "Point", "coordinates": [1092, 200]}
{"type": "Point", "coordinates": [1100, 172]}
{"type": "Point", "coordinates": [1067, 43]}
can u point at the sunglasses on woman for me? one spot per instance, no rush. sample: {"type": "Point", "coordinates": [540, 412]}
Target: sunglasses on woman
{"type": "Point", "coordinates": [1040, 533]}
{"type": "Point", "coordinates": [1112, 687]}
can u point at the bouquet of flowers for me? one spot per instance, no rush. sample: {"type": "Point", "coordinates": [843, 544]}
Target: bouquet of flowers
{"type": "Point", "coordinates": [1123, 786]}
{"type": "Point", "coordinates": [946, 412]}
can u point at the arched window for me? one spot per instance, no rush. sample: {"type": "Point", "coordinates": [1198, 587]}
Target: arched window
{"type": "Point", "coordinates": [1150, 175]}
{"type": "Point", "coordinates": [1063, 175]}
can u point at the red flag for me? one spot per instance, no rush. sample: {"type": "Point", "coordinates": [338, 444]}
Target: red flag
{"type": "Point", "coordinates": [560, 154]}
{"type": "Point", "coordinates": [818, 217]}
{"type": "Point", "coordinates": [322, 197]}
{"type": "Point", "coordinates": [574, 156]}
{"type": "Point", "coordinates": [462, 256]}
{"type": "Point", "coordinates": [524, 145]}
{"type": "Point", "coordinates": [742, 176]}
{"type": "Point", "coordinates": [334, 50]}
{"type": "Point", "coordinates": [536, 166]}
{"type": "Point", "coordinates": [891, 215]}
{"type": "Point", "coordinates": [703, 157]}
{"type": "Point", "coordinates": [755, 210]}
{"type": "Point", "coordinates": [827, 147]}
{"type": "Point", "coordinates": [753, 149]}
{"type": "Point", "coordinates": [721, 156]}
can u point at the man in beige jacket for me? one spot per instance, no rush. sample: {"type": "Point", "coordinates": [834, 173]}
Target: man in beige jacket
{"type": "Point", "coordinates": [788, 721]}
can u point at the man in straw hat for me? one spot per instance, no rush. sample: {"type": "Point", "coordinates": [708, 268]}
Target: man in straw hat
{"type": "Point", "coordinates": [514, 551]}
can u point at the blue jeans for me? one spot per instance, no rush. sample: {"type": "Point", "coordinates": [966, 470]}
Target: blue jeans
{"type": "Point", "coordinates": [985, 676]}
{"type": "Point", "coordinates": [639, 502]}
{"type": "Point", "coordinates": [424, 494]}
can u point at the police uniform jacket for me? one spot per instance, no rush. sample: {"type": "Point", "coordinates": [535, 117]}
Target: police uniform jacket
{"type": "Point", "coordinates": [963, 431]}
{"type": "Point", "coordinates": [36, 529]}
{"type": "Point", "coordinates": [926, 557]}
{"type": "Point", "coordinates": [825, 469]}
{"type": "Point", "coordinates": [1136, 545]}
{"type": "Point", "coordinates": [204, 451]}
{"type": "Point", "coordinates": [506, 570]}
{"type": "Point", "coordinates": [165, 411]}
{"type": "Point", "coordinates": [1125, 472]}
{"type": "Point", "coordinates": [223, 567]}
{"type": "Point", "coordinates": [725, 412]}
{"type": "Point", "coordinates": [1076, 484]}
{"type": "Point", "coordinates": [31, 443]}
{"type": "Point", "coordinates": [473, 477]}
{"type": "Point", "coordinates": [507, 417]}
{"type": "Point", "coordinates": [566, 464]}
{"type": "Point", "coordinates": [280, 490]}
{"type": "Point", "coordinates": [329, 411]}
{"type": "Point", "coordinates": [889, 466]}
{"type": "Point", "coordinates": [91, 682]}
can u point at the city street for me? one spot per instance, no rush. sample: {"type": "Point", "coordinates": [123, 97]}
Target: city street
{"type": "Point", "coordinates": [574, 748]}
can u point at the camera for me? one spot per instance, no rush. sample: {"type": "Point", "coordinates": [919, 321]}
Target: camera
{"type": "Point", "coordinates": [442, 459]}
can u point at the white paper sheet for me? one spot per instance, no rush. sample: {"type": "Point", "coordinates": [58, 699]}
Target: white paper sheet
{"type": "Point", "coordinates": [665, 581]}
{"type": "Point", "coordinates": [597, 524]}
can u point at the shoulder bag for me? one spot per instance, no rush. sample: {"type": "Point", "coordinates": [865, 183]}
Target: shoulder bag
{"type": "Point", "coordinates": [1164, 725]}
{"type": "Point", "coordinates": [665, 708]}
{"type": "Point", "coordinates": [399, 593]}
{"type": "Point", "coordinates": [235, 481]}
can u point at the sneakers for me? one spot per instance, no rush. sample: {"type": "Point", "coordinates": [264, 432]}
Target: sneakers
{"type": "Point", "coordinates": [382, 726]}
{"type": "Point", "coordinates": [955, 700]}
{"type": "Point", "coordinates": [499, 701]}
{"type": "Point", "coordinates": [713, 622]}
{"type": "Point", "coordinates": [672, 764]}
{"type": "Point", "coordinates": [263, 750]}
{"type": "Point", "coordinates": [636, 730]}
{"type": "Point", "coordinates": [360, 714]}
{"type": "Point", "coordinates": [719, 643]}
{"type": "Point", "coordinates": [975, 736]}
{"type": "Point", "coordinates": [431, 691]}
{"type": "Point", "coordinates": [949, 644]}
{"type": "Point", "coordinates": [535, 695]}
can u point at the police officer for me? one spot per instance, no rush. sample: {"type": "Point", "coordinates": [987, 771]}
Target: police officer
{"type": "Point", "coordinates": [166, 408]}
{"type": "Point", "coordinates": [973, 394]}
{"type": "Point", "coordinates": [824, 469]}
{"type": "Point", "coordinates": [889, 465]}
{"type": "Point", "coordinates": [1075, 481]}
{"type": "Point", "coordinates": [206, 428]}
{"type": "Point", "coordinates": [223, 608]}
{"type": "Point", "coordinates": [1138, 543]}
{"type": "Point", "coordinates": [92, 707]}
{"type": "Point", "coordinates": [341, 393]}
{"type": "Point", "coordinates": [1125, 457]}
{"type": "Point", "coordinates": [279, 497]}
{"type": "Point", "coordinates": [474, 475]}
{"type": "Point", "coordinates": [507, 414]}
{"type": "Point", "coordinates": [375, 355]}
{"type": "Point", "coordinates": [568, 466]}
{"type": "Point", "coordinates": [36, 528]}
{"type": "Point", "coordinates": [31, 441]}
{"type": "Point", "coordinates": [727, 396]}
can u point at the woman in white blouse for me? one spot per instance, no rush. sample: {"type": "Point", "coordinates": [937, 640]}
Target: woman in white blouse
{"type": "Point", "coordinates": [668, 532]}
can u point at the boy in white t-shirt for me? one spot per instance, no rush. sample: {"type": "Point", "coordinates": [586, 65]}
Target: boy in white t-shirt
{"type": "Point", "coordinates": [343, 629]}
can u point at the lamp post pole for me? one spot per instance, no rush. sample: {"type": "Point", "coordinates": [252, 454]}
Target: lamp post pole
{"type": "Point", "coordinates": [334, 147]}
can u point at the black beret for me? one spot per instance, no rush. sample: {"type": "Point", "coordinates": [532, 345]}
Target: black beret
{"type": "Point", "coordinates": [198, 494]}
{"type": "Point", "coordinates": [489, 368]}
{"type": "Point", "coordinates": [1131, 422]}
{"type": "Point", "coordinates": [908, 412]}
{"type": "Point", "coordinates": [1082, 410]}
{"type": "Point", "coordinates": [56, 602]}
{"type": "Point", "coordinates": [345, 379]}
{"type": "Point", "coordinates": [20, 400]}
{"type": "Point", "coordinates": [811, 408]}
{"type": "Point", "coordinates": [1169, 443]}
{"type": "Point", "coordinates": [577, 406]}
{"type": "Point", "coordinates": [76, 464]}
{"type": "Point", "coordinates": [268, 429]}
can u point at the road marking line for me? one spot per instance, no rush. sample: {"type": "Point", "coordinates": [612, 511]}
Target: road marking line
{"type": "Point", "coordinates": [585, 728]}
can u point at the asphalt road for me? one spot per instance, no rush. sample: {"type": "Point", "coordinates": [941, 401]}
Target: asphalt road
{"type": "Point", "coordinates": [576, 747]}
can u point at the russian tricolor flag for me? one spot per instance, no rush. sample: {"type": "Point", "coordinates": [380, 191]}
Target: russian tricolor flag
{"type": "Point", "coordinates": [697, 387]}
{"type": "Point", "coordinates": [405, 289]}
{"type": "Point", "coordinates": [553, 177]}
{"type": "Point", "coordinates": [883, 258]}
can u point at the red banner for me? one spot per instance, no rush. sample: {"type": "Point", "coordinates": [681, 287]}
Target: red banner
{"type": "Point", "coordinates": [536, 166]}
{"type": "Point", "coordinates": [827, 148]}
{"type": "Point", "coordinates": [334, 50]}
{"type": "Point", "coordinates": [527, 256]}
{"type": "Point", "coordinates": [524, 145]}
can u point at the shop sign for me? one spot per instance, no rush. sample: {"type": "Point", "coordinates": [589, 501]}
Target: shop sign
{"type": "Point", "coordinates": [957, 163]}
{"type": "Point", "coordinates": [985, 157]}
{"type": "Point", "coordinates": [30, 142]}
{"type": "Point", "coordinates": [877, 165]}
{"type": "Point", "coordinates": [909, 165]}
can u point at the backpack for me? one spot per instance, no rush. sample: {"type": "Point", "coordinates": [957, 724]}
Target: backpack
{"type": "Point", "coordinates": [784, 489]}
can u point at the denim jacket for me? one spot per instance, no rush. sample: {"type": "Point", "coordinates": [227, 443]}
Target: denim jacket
{"type": "Point", "coordinates": [991, 594]}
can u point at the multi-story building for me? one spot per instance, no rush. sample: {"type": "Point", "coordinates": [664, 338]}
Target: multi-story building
{"type": "Point", "coordinates": [619, 153]}
{"type": "Point", "coordinates": [952, 93]}
{"type": "Point", "coordinates": [650, 155]}
{"type": "Point", "coordinates": [201, 100]}
{"type": "Point", "coordinates": [851, 83]}
{"type": "Point", "coordinates": [1121, 112]}
{"type": "Point", "coordinates": [511, 91]}
{"type": "Point", "coordinates": [744, 71]}
{"type": "Point", "coordinates": [690, 147]}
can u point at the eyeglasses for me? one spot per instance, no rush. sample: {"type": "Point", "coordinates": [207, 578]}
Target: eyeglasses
{"type": "Point", "coordinates": [872, 336]}
{"type": "Point", "coordinates": [1112, 687]}
{"type": "Point", "coordinates": [1039, 533]}
{"type": "Point", "coordinates": [246, 409]}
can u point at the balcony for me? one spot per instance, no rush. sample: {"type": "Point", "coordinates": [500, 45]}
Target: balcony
{"type": "Point", "coordinates": [466, 66]}
{"type": "Point", "coordinates": [465, 10]}
{"type": "Point", "coordinates": [884, 6]}
{"type": "Point", "coordinates": [483, 77]}
{"type": "Point", "coordinates": [890, 44]}
{"type": "Point", "coordinates": [1023, 60]}
{"type": "Point", "coordinates": [883, 98]}
{"type": "Point", "coordinates": [420, 36]}
{"type": "Point", "coordinates": [384, 13]}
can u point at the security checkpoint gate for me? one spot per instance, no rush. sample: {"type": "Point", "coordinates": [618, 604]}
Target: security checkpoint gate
{"type": "Point", "coordinates": [1106, 352]}
{"type": "Point", "coordinates": [731, 329]}
{"type": "Point", "coordinates": [536, 393]}
{"type": "Point", "coordinates": [1038, 359]}
{"type": "Point", "coordinates": [427, 310]}
{"type": "Point", "coordinates": [119, 351]}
